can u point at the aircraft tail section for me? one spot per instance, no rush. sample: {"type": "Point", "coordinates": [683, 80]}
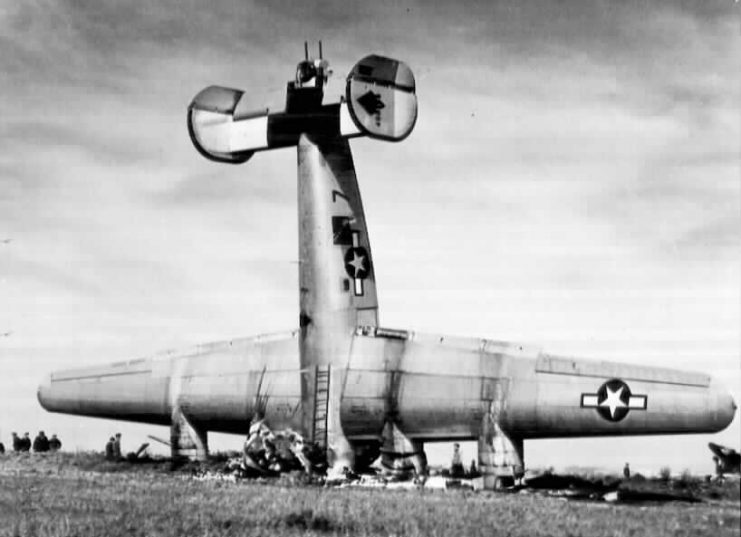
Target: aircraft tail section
{"type": "Point", "coordinates": [337, 276]}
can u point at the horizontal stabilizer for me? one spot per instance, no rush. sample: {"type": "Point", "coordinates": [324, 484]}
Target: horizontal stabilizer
{"type": "Point", "coordinates": [225, 129]}
{"type": "Point", "coordinates": [380, 102]}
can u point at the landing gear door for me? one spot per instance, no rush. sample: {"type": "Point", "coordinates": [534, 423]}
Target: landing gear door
{"type": "Point", "coordinates": [381, 98]}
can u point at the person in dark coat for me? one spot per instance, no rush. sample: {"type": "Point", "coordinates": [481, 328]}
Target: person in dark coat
{"type": "Point", "coordinates": [109, 449]}
{"type": "Point", "coordinates": [2, 448]}
{"type": "Point", "coordinates": [117, 447]}
{"type": "Point", "coordinates": [472, 470]}
{"type": "Point", "coordinates": [16, 442]}
{"type": "Point", "coordinates": [54, 443]}
{"type": "Point", "coordinates": [626, 471]}
{"type": "Point", "coordinates": [26, 442]}
{"type": "Point", "coordinates": [456, 464]}
{"type": "Point", "coordinates": [41, 443]}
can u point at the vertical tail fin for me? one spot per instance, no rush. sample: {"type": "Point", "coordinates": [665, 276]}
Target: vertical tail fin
{"type": "Point", "coordinates": [337, 279]}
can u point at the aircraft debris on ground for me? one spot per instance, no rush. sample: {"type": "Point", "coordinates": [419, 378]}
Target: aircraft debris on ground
{"type": "Point", "coordinates": [566, 487]}
{"type": "Point", "coordinates": [727, 460]}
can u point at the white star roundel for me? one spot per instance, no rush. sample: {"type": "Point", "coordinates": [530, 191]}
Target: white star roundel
{"type": "Point", "coordinates": [614, 400]}
{"type": "Point", "coordinates": [357, 263]}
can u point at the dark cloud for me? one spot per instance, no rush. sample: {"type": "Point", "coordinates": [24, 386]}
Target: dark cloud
{"type": "Point", "coordinates": [106, 44]}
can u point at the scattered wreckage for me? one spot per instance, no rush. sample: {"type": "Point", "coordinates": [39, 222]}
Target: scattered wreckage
{"type": "Point", "coordinates": [272, 454]}
{"type": "Point", "coordinates": [727, 460]}
{"type": "Point", "coordinates": [608, 489]}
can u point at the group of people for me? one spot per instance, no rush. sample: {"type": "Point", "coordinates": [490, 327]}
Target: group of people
{"type": "Point", "coordinates": [40, 444]}
{"type": "Point", "coordinates": [113, 448]}
{"type": "Point", "coordinates": [43, 444]}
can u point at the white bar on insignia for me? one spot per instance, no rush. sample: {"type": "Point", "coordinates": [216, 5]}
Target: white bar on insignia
{"type": "Point", "coordinates": [589, 400]}
{"type": "Point", "coordinates": [358, 286]}
{"type": "Point", "coordinates": [347, 125]}
{"type": "Point", "coordinates": [637, 401]}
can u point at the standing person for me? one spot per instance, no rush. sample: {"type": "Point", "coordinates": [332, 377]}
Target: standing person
{"type": "Point", "coordinates": [456, 465]}
{"type": "Point", "coordinates": [117, 447]}
{"type": "Point", "coordinates": [626, 471]}
{"type": "Point", "coordinates": [26, 442]}
{"type": "Point", "coordinates": [473, 471]}
{"type": "Point", "coordinates": [718, 469]}
{"type": "Point", "coordinates": [40, 443]}
{"type": "Point", "coordinates": [54, 443]}
{"type": "Point", "coordinates": [16, 442]}
{"type": "Point", "coordinates": [2, 448]}
{"type": "Point", "coordinates": [109, 449]}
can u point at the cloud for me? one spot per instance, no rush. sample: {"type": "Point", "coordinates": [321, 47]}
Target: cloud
{"type": "Point", "coordinates": [99, 144]}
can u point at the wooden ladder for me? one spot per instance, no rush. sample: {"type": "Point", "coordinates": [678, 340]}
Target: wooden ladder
{"type": "Point", "coordinates": [321, 405]}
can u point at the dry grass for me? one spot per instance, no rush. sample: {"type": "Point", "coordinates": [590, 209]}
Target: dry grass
{"type": "Point", "coordinates": [82, 495]}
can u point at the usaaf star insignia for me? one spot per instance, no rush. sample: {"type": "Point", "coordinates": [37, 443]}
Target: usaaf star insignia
{"type": "Point", "coordinates": [357, 266]}
{"type": "Point", "coordinates": [614, 400]}
{"type": "Point", "coordinates": [356, 263]}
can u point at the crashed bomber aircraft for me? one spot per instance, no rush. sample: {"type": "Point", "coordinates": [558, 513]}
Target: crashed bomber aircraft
{"type": "Point", "coordinates": [350, 386]}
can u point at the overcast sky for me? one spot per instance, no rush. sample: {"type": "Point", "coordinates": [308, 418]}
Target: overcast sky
{"type": "Point", "coordinates": [572, 182]}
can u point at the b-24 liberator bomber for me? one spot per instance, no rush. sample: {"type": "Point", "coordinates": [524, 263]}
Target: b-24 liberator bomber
{"type": "Point", "coordinates": [349, 385]}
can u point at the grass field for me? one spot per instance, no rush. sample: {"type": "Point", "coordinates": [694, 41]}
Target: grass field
{"type": "Point", "coordinates": [81, 495]}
